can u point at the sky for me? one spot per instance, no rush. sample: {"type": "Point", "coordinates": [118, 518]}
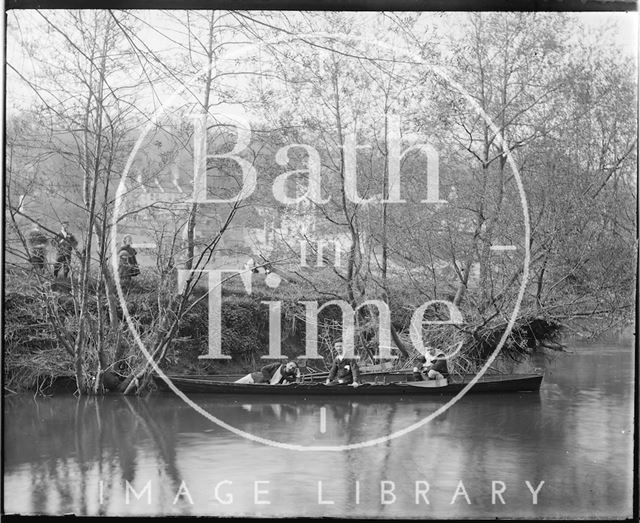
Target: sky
{"type": "Point", "coordinates": [622, 34]}
{"type": "Point", "coordinates": [626, 34]}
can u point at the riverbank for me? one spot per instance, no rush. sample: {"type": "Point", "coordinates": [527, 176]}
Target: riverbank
{"type": "Point", "coordinates": [35, 360]}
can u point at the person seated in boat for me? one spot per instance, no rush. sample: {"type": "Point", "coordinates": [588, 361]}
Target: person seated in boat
{"type": "Point", "coordinates": [437, 368]}
{"type": "Point", "coordinates": [345, 370]}
{"type": "Point", "coordinates": [432, 366]}
{"type": "Point", "coordinates": [273, 374]}
{"type": "Point", "coordinates": [422, 362]}
{"type": "Point", "coordinates": [419, 367]}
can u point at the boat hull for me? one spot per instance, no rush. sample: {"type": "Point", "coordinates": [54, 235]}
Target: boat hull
{"type": "Point", "coordinates": [487, 384]}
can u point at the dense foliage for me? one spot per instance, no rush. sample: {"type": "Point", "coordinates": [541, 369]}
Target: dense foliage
{"type": "Point", "coordinates": [518, 129]}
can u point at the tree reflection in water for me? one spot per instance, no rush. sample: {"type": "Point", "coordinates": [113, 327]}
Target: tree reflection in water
{"type": "Point", "coordinates": [71, 444]}
{"type": "Point", "coordinates": [576, 435]}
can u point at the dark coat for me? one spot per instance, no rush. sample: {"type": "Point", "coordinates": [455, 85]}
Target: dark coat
{"type": "Point", "coordinates": [439, 364]}
{"type": "Point", "coordinates": [38, 247]}
{"type": "Point", "coordinates": [265, 374]}
{"type": "Point", "coordinates": [65, 244]}
{"type": "Point", "coordinates": [128, 262]}
{"type": "Point", "coordinates": [346, 369]}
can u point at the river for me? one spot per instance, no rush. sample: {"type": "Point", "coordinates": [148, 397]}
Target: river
{"type": "Point", "coordinates": [566, 451]}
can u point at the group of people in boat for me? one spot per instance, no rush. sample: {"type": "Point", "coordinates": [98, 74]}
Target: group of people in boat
{"type": "Point", "coordinates": [345, 370]}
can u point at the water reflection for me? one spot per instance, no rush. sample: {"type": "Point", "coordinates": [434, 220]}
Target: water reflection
{"type": "Point", "coordinates": [67, 454]}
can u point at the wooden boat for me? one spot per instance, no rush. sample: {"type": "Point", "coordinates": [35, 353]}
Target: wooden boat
{"type": "Point", "coordinates": [390, 383]}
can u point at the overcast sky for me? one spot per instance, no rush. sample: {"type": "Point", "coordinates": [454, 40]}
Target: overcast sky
{"type": "Point", "coordinates": [617, 29]}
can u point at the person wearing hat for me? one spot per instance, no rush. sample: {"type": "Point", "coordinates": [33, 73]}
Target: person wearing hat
{"type": "Point", "coordinates": [344, 371]}
{"type": "Point", "coordinates": [65, 243]}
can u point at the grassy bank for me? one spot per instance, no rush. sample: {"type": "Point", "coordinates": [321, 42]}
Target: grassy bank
{"type": "Point", "coordinates": [34, 358]}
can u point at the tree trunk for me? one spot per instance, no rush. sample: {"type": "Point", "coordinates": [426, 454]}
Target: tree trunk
{"type": "Point", "coordinates": [193, 212]}
{"type": "Point", "coordinates": [353, 232]}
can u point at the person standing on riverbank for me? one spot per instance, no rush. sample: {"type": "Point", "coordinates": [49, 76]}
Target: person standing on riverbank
{"type": "Point", "coordinates": [127, 261]}
{"type": "Point", "coordinates": [65, 242]}
{"type": "Point", "coordinates": [37, 243]}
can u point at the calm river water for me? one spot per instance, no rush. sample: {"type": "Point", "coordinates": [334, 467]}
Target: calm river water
{"type": "Point", "coordinates": [98, 455]}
